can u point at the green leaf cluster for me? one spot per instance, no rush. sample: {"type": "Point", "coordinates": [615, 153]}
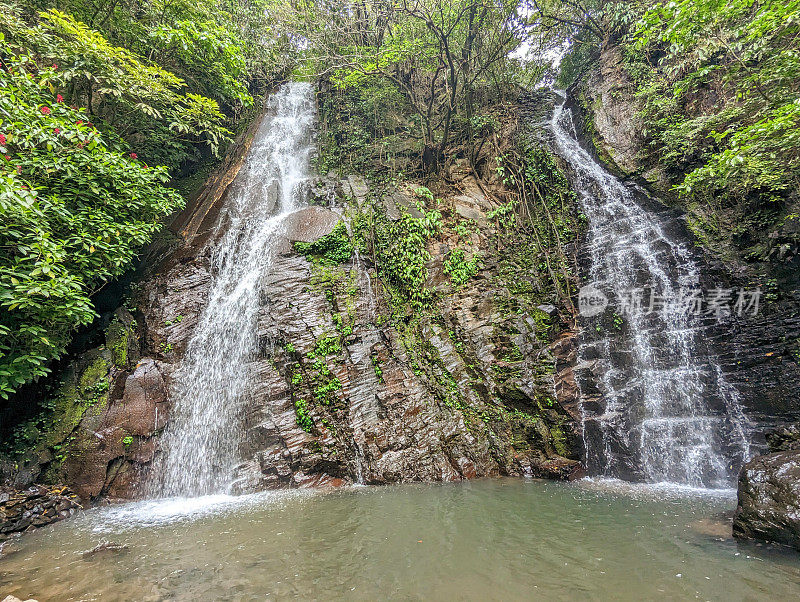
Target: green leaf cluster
{"type": "Point", "coordinates": [74, 210]}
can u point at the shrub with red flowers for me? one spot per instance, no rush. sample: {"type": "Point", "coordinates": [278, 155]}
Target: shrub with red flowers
{"type": "Point", "coordinates": [75, 209]}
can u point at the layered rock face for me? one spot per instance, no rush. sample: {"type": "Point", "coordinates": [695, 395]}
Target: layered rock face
{"type": "Point", "coordinates": [342, 392]}
{"type": "Point", "coordinates": [769, 492]}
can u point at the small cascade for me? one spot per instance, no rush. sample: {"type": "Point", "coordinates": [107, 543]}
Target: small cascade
{"type": "Point", "coordinates": [202, 439]}
{"type": "Point", "coordinates": [656, 406]}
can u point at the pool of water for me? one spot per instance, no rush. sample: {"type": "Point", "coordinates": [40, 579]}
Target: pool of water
{"type": "Point", "coordinates": [483, 540]}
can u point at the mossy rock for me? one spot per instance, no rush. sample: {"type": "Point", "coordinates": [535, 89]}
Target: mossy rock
{"type": "Point", "coordinates": [122, 340]}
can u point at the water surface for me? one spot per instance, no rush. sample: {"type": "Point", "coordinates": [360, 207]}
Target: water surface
{"type": "Point", "coordinates": [484, 540]}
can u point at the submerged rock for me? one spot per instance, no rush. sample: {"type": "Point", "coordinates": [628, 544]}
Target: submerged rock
{"type": "Point", "coordinates": [769, 499]}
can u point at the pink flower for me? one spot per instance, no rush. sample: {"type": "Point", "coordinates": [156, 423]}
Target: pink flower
{"type": "Point", "coordinates": [45, 110]}
{"type": "Point", "coordinates": [134, 156]}
{"type": "Point", "coordinates": [55, 66]}
{"type": "Point", "coordinates": [19, 168]}
{"type": "Point", "coordinates": [3, 139]}
{"type": "Point", "coordinates": [59, 98]}
{"type": "Point", "coordinates": [8, 158]}
{"type": "Point", "coordinates": [57, 131]}
{"type": "Point", "coordinates": [79, 123]}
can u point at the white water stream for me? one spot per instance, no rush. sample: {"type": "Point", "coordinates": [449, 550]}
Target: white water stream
{"type": "Point", "coordinates": [660, 409]}
{"type": "Point", "coordinates": [203, 436]}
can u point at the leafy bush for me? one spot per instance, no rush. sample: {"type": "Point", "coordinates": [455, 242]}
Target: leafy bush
{"type": "Point", "coordinates": [334, 247]}
{"type": "Point", "coordinates": [142, 102]}
{"type": "Point", "coordinates": [749, 143]}
{"type": "Point", "coordinates": [402, 254]}
{"type": "Point", "coordinates": [459, 268]}
{"type": "Point", "coordinates": [75, 209]}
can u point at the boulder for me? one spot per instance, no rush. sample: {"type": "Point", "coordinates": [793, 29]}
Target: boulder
{"type": "Point", "coordinates": [310, 223]}
{"type": "Point", "coordinates": [769, 499]}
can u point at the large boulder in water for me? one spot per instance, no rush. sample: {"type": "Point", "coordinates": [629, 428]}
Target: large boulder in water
{"type": "Point", "coordinates": [769, 499]}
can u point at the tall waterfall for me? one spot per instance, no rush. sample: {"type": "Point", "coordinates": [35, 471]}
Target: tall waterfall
{"type": "Point", "coordinates": [202, 438]}
{"type": "Point", "coordinates": [655, 404]}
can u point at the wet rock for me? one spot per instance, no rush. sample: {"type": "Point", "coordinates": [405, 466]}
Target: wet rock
{"type": "Point", "coordinates": [22, 510]}
{"type": "Point", "coordinates": [784, 438]}
{"type": "Point", "coordinates": [110, 450]}
{"type": "Point", "coordinates": [769, 499]}
{"type": "Point", "coordinates": [105, 548]}
{"type": "Point", "coordinates": [397, 202]}
{"type": "Point", "coordinates": [356, 188]}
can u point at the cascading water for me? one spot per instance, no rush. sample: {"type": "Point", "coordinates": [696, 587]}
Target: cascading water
{"type": "Point", "coordinates": [202, 439]}
{"type": "Point", "coordinates": [656, 406]}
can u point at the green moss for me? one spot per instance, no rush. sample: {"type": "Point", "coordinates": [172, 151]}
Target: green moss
{"type": "Point", "coordinates": [118, 336]}
{"type": "Point", "coordinates": [559, 441]}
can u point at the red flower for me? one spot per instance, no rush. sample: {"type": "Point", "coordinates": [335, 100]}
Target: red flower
{"type": "Point", "coordinates": [45, 110]}
{"type": "Point", "coordinates": [57, 131]}
{"type": "Point", "coordinates": [8, 158]}
{"type": "Point", "coordinates": [59, 98]}
{"type": "Point", "coordinates": [134, 156]}
{"type": "Point", "coordinates": [79, 123]}
{"type": "Point", "coordinates": [3, 139]}
{"type": "Point", "coordinates": [55, 66]}
{"type": "Point", "coordinates": [19, 168]}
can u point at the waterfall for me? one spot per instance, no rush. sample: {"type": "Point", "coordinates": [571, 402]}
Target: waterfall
{"type": "Point", "coordinates": [202, 438]}
{"type": "Point", "coordinates": [655, 404]}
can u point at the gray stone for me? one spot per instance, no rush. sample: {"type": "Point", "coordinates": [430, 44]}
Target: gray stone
{"type": "Point", "coordinates": [769, 499]}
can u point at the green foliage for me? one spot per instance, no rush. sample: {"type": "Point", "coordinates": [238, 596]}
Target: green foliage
{"type": "Point", "coordinates": [333, 248]}
{"type": "Point", "coordinates": [326, 346]}
{"type": "Point", "coordinates": [459, 268]}
{"type": "Point", "coordinates": [75, 211]}
{"type": "Point", "coordinates": [364, 126]}
{"type": "Point", "coordinates": [435, 61]}
{"type": "Point", "coordinates": [402, 254]}
{"type": "Point", "coordinates": [324, 393]}
{"type": "Point", "coordinates": [127, 440]}
{"type": "Point", "coordinates": [302, 416]}
{"type": "Point", "coordinates": [210, 53]}
{"type": "Point", "coordinates": [748, 146]}
{"type": "Point", "coordinates": [141, 101]}
{"type": "Point", "coordinates": [376, 366]}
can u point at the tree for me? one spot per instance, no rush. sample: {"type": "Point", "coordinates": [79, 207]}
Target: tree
{"type": "Point", "coordinates": [75, 210]}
